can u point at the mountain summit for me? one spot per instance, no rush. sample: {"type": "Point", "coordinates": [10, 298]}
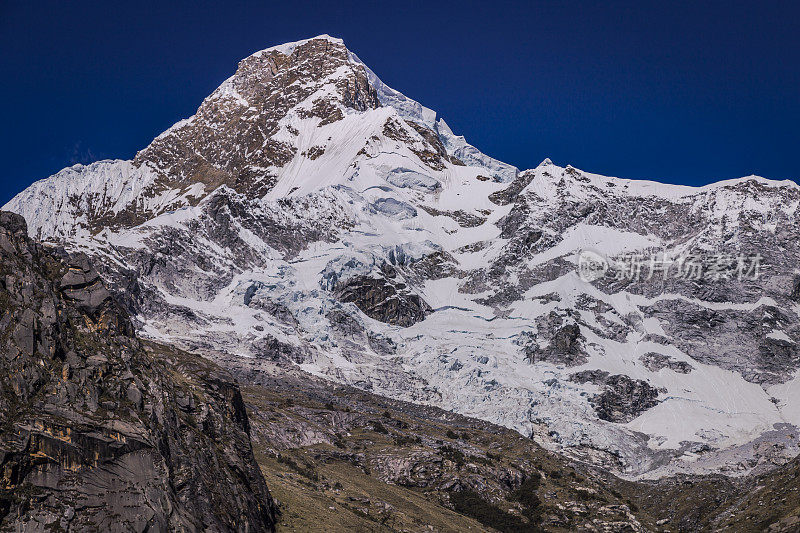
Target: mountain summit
{"type": "Point", "coordinates": [310, 215]}
{"type": "Point", "coordinates": [295, 117]}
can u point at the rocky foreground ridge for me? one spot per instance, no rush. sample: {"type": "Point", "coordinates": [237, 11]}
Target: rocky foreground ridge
{"type": "Point", "coordinates": [102, 431]}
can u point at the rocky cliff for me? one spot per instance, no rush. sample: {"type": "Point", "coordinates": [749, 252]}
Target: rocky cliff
{"type": "Point", "coordinates": [104, 432]}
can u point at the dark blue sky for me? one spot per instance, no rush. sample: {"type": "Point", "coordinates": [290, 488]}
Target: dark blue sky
{"type": "Point", "coordinates": [684, 92]}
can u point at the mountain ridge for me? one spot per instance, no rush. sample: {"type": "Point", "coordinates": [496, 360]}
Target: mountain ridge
{"type": "Point", "coordinates": [326, 227]}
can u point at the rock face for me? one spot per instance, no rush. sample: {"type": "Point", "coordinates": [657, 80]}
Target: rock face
{"type": "Point", "coordinates": [656, 361]}
{"type": "Point", "coordinates": [383, 300]}
{"type": "Point", "coordinates": [261, 226]}
{"type": "Point", "coordinates": [622, 399]}
{"type": "Point", "coordinates": [240, 123]}
{"type": "Point", "coordinates": [101, 431]}
{"type": "Point", "coordinates": [563, 342]}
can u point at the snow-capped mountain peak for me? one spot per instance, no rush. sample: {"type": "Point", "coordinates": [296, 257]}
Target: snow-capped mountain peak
{"type": "Point", "coordinates": [310, 214]}
{"type": "Point", "coordinates": [292, 118]}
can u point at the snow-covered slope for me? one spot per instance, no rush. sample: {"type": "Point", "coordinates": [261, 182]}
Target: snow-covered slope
{"type": "Point", "coordinates": [310, 214]}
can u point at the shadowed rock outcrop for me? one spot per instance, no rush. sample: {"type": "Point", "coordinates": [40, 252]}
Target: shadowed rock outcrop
{"type": "Point", "coordinates": [556, 342]}
{"type": "Point", "coordinates": [101, 431]}
{"type": "Point", "coordinates": [385, 300]}
{"type": "Point", "coordinates": [623, 399]}
{"type": "Point", "coordinates": [654, 362]}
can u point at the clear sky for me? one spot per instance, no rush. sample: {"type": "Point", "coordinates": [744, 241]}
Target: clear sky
{"type": "Point", "coordinates": [682, 92]}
